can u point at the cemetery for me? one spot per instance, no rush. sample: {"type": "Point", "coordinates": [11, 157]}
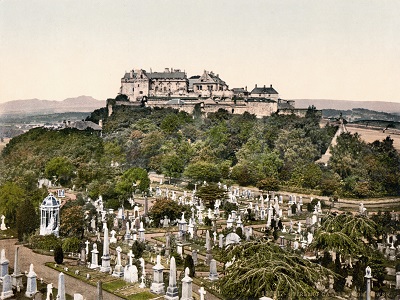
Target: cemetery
{"type": "Point", "coordinates": [175, 244]}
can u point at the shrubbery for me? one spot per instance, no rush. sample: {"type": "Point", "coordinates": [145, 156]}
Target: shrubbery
{"type": "Point", "coordinates": [45, 242]}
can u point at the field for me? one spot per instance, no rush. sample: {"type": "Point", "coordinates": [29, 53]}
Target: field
{"type": "Point", "coordinates": [371, 135]}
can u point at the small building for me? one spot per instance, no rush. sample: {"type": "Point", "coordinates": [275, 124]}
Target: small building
{"type": "Point", "coordinates": [50, 216]}
{"type": "Point", "coordinates": [264, 92]}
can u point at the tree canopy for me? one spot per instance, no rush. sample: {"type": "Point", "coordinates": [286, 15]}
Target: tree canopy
{"type": "Point", "coordinates": [264, 269]}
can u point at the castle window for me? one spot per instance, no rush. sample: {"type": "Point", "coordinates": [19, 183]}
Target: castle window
{"type": "Point", "coordinates": [141, 92]}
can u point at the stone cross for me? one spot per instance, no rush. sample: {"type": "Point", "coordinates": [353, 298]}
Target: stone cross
{"type": "Point", "coordinates": [202, 293]}
{"type": "Point", "coordinates": [87, 247]}
{"type": "Point", "coordinates": [131, 256]}
{"type": "Point", "coordinates": [119, 250]}
{"type": "Point", "coordinates": [3, 225]}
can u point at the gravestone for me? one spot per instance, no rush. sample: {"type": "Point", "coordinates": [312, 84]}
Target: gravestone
{"type": "Point", "coordinates": [17, 275]}
{"type": "Point", "coordinates": [194, 256]}
{"type": "Point", "coordinates": [99, 295]}
{"type": "Point", "coordinates": [105, 259]}
{"type": "Point", "coordinates": [49, 291]}
{"type": "Point", "coordinates": [113, 239]}
{"type": "Point", "coordinates": [232, 238]}
{"type": "Point", "coordinates": [118, 270]}
{"type": "Point", "coordinates": [7, 288]}
{"type": "Point", "coordinates": [187, 286]}
{"type": "Point", "coordinates": [78, 297]}
{"type": "Point", "coordinates": [157, 286]}
{"type": "Point", "coordinates": [95, 257]}
{"type": "Point", "coordinates": [141, 233]}
{"type": "Point", "coordinates": [213, 270]}
{"type": "Point", "coordinates": [142, 285]}
{"type": "Point", "coordinates": [31, 285]}
{"type": "Point", "coordinates": [202, 293]}
{"type": "Point", "coordinates": [61, 287]}
{"type": "Point", "coordinates": [172, 290]}
{"type": "Point", "coordinates": [82, 259]}
{"type": "Point", "coordinates": [167, 244]}
{"type": "Point", "coordinates": [4, 263]}
{"type": "Point", "coordinates": [3, 225]}
{"type": "Point", "coordinates": [208, 248]}
{"type": "Point", "coordinates": [221, 240]}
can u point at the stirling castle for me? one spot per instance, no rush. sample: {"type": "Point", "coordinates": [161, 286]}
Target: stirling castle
{"type": "Point", "coordinates": [172, 88]}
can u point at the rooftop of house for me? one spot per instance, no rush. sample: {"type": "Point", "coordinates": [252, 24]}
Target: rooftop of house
{"type": "Point", "coordinates": [264, 90]}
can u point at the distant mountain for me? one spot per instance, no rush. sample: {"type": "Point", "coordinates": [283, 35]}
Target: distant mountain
{"type": "Point", "coordinates": [390, 107]}
{"type": "Point", "coordinates": [36, 106]}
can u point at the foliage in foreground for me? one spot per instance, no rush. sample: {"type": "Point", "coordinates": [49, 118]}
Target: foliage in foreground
{"type": "Point", "coordinates": [262, 268]}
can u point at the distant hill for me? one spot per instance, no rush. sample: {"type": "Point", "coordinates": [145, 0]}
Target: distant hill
{"type": "Point", "coordinates": [36, 106]}
{"type": "Point", "coordinates": [390, 107]}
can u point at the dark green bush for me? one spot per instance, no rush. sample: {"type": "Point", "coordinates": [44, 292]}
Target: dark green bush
{"type": "Point", "coordinates": [58, 255]}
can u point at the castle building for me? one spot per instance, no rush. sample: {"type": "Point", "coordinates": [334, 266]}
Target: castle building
{"type": "Point", "coordinates": [265, 92]}
{"type": "Point", "coordinates": [172, 88]}
{"type": "Point", "coordinates": [137, 84]}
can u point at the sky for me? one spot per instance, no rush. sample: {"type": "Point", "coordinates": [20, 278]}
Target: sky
{"type": "Point", "coordinates": [307, 49]}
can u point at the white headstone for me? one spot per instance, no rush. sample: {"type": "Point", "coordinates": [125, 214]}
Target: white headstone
{"type": "Point", "coordinates": [61, 287]}
{"type": "Point", "coordinates": [3, 225]}
{"type": "Point", "coordinates": [31, 285]}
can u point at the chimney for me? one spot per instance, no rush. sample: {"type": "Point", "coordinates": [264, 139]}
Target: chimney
{"type": "Point", "coordinates": [270, 86]}
{"type": "Point", "coordinates": [166, 70]}
{"type": "Point", "coordinates": [264, 86]}
{"type": "Point", "coordinates": [256, 85]}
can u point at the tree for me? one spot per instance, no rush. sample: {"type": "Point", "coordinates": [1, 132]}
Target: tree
{"type": "Point", "coordinates": [138, 249]}
{"type": "Point", "coordinates": [209, 193]}
{"type": "Point", "coordinates": [58, 254]}
{"type": "Point", "coordinates": [268, 184]}
{"type": "Point", "coordinates": [61, 168]}
{"type": "Point", "coordinates": [172, 165]}
{"type": "Point", "coordinates": [27, 220]}
{"type": "Point", "coordinates": [166, 207]}
{"type": "Point", "coordinates": [72, 221]}
{"type": "Point", "coordinates": [11, 195]}
{"type": "Point", "coordinates": [132, 179]}
{"type": "Point", "coordinates": [203, 171]}
{"type": "Point", "coordinates": [346, 234]}
{"type": "Point", "coordinates": [264, 269]}
{"type": "Point", "coordinates": [189, 263]}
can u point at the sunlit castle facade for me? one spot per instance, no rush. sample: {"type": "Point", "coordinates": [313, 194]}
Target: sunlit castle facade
{"type": "Point", "coordinates": [50, 216]}
{"type": "Point", "coordinates": [137, 84]}
{"type": "Point", "coordinates": [208, 92]}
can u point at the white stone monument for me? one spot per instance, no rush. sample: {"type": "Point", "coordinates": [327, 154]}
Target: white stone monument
{"type": "Point", "coordinates": [157, 286]}
{"type": "Point", "coordinates": [31, 285]}
{"type": "Point", "coordinates": [50, 216]}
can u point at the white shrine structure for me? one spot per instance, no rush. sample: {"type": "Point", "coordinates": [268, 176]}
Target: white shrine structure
{"type": "Point", "coordinates": [50, 216]}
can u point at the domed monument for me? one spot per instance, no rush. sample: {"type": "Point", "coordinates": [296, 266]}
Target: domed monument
{"type": "Point", "coordinates": [50, 216]}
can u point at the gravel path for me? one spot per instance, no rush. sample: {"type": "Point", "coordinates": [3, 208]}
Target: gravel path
{"type": "Point", "coordinates": [72, 285]}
